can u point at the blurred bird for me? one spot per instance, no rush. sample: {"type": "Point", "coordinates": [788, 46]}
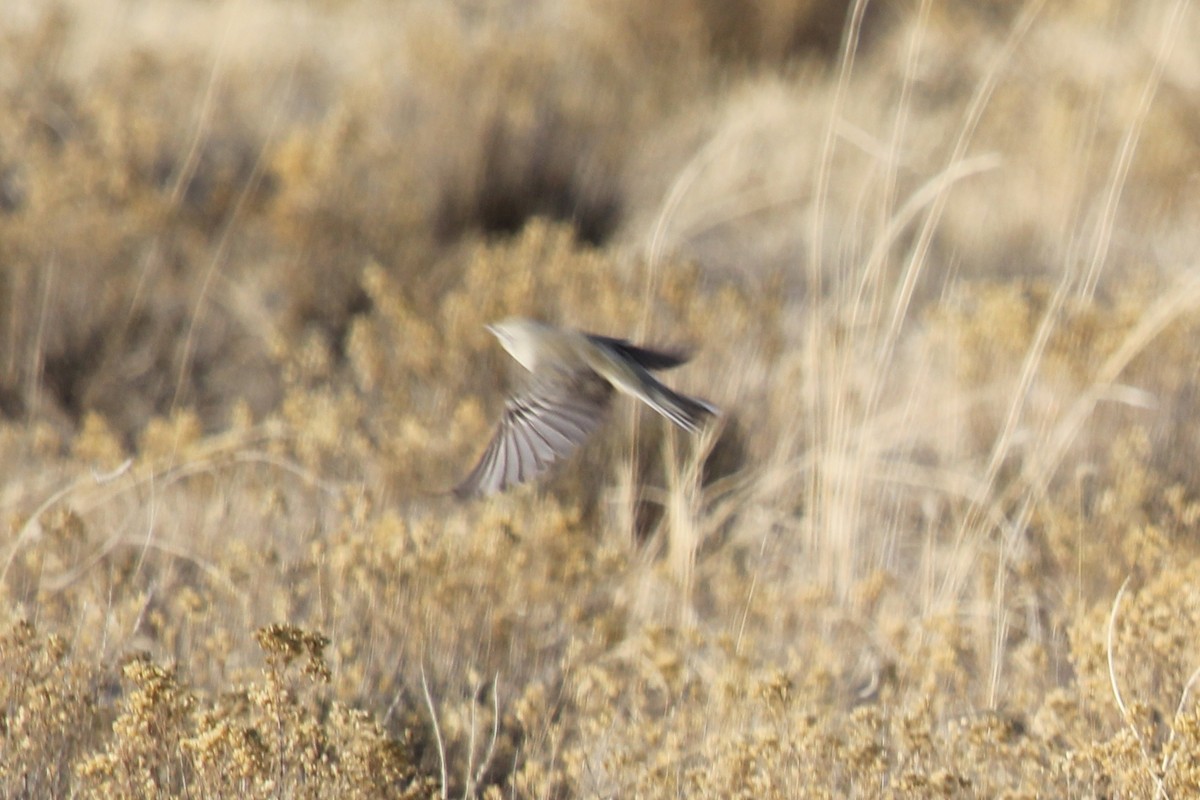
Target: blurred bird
{"type": "Point", "coordinates": [572, 378]}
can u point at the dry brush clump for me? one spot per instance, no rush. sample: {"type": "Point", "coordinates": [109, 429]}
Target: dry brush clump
{"type": "Point", "coordinates": [51, 712]}
{"type": "Point", "coordinates": [70, 731]}
{"type": "Point", "coordinates": [112, 240]}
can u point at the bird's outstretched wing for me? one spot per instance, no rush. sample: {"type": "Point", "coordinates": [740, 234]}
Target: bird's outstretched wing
{"type": "Point", "coordinates": [539, 428]}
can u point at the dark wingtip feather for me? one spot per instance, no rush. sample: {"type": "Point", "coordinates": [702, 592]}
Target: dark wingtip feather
{"type": "Point", "coordinates": [645, 357]}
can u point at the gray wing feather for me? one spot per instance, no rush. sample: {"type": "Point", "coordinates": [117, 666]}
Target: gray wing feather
{"type": "Point", "coordinates": [538, 429]}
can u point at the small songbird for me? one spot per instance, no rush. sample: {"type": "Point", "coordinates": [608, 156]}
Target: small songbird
{"type": "Point", "coordinates": [572, 378]}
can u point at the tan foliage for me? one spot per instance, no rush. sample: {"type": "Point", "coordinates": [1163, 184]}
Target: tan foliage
{"type": "Point", "coordinates": [942, 544]}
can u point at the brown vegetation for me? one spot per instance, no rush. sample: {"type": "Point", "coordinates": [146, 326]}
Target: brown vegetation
{"type": "Point", "coordinates": [935, 260]}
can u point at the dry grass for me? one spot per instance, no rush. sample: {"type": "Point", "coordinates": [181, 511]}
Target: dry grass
{"type": "Point", "coordinates": [937, 264]}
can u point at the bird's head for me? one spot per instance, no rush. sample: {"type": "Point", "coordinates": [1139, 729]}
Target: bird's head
{"type": "Point", "coordinates": [520, 337]}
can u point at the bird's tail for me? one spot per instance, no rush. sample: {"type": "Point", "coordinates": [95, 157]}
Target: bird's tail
{"type": "Point", "coordinates": [688, 413]}
{"type": "Point", "coordinates": [628, 368]}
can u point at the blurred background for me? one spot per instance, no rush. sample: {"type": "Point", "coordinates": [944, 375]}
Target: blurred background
{"type": "Point", "coordinates": [935, 259]}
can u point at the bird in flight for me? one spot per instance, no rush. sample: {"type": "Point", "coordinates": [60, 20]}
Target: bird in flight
{"type": "Point", "coordinates": [572, 378]}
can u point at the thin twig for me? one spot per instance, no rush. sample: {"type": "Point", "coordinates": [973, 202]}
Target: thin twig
{"type": "Point", "coordinates": [1161, 789]}
{"type": "Point", "coordinates": [1168, 756]}
{"type": "Point", "coordinates": [437, 732]}
{"type": "Point", "coordinates": [470, 786]}
{"type": "Point", "coordinates": [1129, 143]}
{"type": "Point", "coordinates": [491, 751]}
{"type": "Point", "coordinates": [102, 478]}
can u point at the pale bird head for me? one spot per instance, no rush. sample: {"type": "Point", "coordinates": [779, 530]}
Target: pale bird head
{"type": "Point", "coordinates": [519, 336]}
